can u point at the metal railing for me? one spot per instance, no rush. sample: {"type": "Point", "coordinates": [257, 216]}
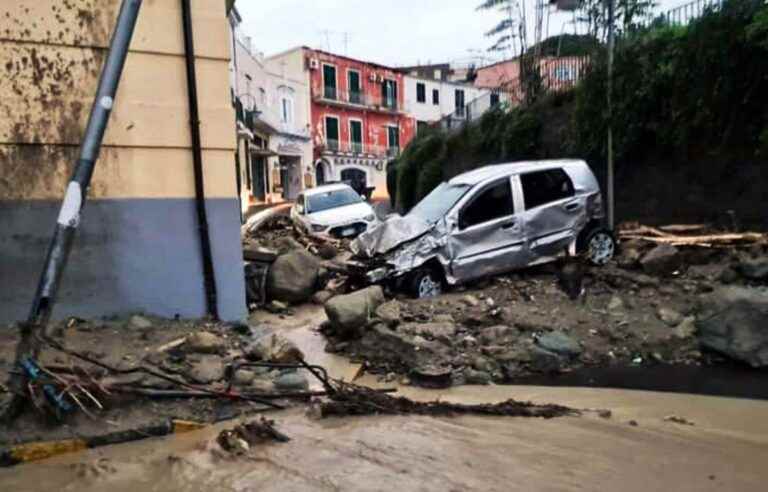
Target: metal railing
{"type": "Point", "coordinates": [358, 98]}
{"type": "Point", "coordinates": [687, 12]}
{"type": "Point", "coordinates": [359, 148]}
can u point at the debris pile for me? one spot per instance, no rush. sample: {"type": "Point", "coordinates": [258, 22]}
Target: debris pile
{"type": "Point", "coordinates": [349, 399]}
{"type": "Point", "coordinates": [649, 307]}
{"type": "Point", "coordinates": [285, 266]}
{"type": "Point", "coordinates": [244, 436]}
{"type": "Point", "coordinates": [90, 372]}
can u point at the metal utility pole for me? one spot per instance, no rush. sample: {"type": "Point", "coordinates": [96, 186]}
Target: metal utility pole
{"type": "Point", "coordinates": [609, 96]}
{"type": "Point", "coordinates": [74, 199]}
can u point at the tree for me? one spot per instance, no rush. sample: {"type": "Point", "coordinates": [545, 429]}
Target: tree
{"type": "Point", "coordinates": [628, 16]}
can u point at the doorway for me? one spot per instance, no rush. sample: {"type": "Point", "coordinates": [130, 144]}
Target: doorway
{"type": "Point", "coordinates": [356, 178]}
{"type": "Point", "coordinates": [290, 176]}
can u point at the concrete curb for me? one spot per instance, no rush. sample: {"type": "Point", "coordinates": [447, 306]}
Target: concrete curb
{"type": "Point", "coordinates": [36, 451]}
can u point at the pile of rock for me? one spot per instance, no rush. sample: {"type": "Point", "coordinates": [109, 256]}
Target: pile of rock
{"type": "Point", "coordinates": [435, 349]}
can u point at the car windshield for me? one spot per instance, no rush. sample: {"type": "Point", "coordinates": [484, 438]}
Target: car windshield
{"type": "Point", "coordinates": [435, 205]}
{"type": "Point", "coordinates": [332, 199]}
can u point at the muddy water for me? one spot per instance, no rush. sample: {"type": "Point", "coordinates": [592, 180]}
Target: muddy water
{"type": "Point", "coordinates": [725, 449]}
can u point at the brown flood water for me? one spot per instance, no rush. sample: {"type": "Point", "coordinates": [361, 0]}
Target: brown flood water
{"type": "Point", "coordinates": [726, 449]}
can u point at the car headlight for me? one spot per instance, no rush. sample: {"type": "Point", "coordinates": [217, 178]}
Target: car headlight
{"type": "Point", "coordinates": [369, 218]}
{"type": "Point", "coordinates": [317, 228]}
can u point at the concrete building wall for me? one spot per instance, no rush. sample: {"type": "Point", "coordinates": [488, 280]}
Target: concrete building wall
{"type": "Point", "coordinates": [427, 111]}
{"type": "Point", "coordinates": [138, 246]}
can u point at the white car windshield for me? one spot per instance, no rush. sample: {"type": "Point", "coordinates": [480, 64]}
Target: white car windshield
{"type": "Point", "coordinates": [434, 206]}
{"type": "Point", "coordinates": [332, 199]}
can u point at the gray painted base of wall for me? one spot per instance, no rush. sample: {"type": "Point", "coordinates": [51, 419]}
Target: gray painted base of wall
{"type": "Point", "coordinates": [130, 255]}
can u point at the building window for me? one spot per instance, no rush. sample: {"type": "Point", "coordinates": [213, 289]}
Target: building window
{"type": "Point", "coordinates": [389, 94]}
{"type": "Point", "coordinates": [494, 99]}
{"type": "Point", "coordinates": [436, 97]}
{"type": "Point", "coordinates": [356, 136]}
{"type": "Point", "coordinates": [287, 110]}
{"type": "Point", "coordinates": [329, 82]}
{"type": "Point", "coordinates": [393, 141]}
{"type": "Point", "coordinates": [459, 103]}
{"type": "Point", "coordinates": [332, 132]}
{"type": "Point", "coordinates": [353, 85]}
{"type": "Point", "coordinates": [421, 127]}
{"type": "Point", "coordinates": [421, 92]}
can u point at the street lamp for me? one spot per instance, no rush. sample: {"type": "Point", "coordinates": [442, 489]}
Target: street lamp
{"type": "Point", "coordinates": [570, 6]}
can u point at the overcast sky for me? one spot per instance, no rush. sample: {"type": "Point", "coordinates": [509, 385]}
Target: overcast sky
{"type": "Point", "coordinates": [391, 32]}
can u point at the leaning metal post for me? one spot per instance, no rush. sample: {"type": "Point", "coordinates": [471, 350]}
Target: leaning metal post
{"type": "Point", "coordinates": [74, 199]}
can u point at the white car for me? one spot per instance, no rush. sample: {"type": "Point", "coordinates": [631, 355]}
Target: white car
{"type": "Point", "coordinates": [335, 210]}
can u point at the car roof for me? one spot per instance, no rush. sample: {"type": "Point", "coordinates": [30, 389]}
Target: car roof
{"type": "Point", "coordinates": [326, 188]}
{"type": "Point", "coordinates": [484, 173]}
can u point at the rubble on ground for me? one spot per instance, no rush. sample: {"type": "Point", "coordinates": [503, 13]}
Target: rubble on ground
{"type": "Point", "coordinates": [645, 308]}
{"type": "Point", "coordinates": [109, 375]}
{"type": "Point", "coordinates": [285, 265]}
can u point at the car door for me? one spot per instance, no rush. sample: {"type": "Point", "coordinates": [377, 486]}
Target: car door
{"type": "Point", "coordinates": [487, 234]}
{"type": "Point", "coordinates": [553, 212]}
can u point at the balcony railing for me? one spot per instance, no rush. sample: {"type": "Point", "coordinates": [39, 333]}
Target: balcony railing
{"type": "Point", "coordinates": [358, 148]}
{"type": "Point", "coordinates": [358, 98]}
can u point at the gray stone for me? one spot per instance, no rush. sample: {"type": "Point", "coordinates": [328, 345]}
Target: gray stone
{"type": "Point", "coordinates": [483, 364]}
{"type": "Point", "coordinates": [350, 313]}
{"type": "Point", "coordinates": [629, 258]}
{"type": "Point", "coordinates": [321, 297]}
{"type": "Point", "coordinates": [274, 348]}
{"type": "Point", "coordinates": [686, 328]}
{"type": "Point", "coordinates": [204, 342]}
{"type": "Point", "coordinates": [545, 361]}
{"type": "Point", "coordinates": [471, 300]}
{"type": "Point", "coordinates": [472, 376]}
{"type": "Point", "coordinates": [262, 386]}
{"type": "Point", "coordinates": [140, 322]}
{"type": "Point", "coordinates": [444, 332]}
{"type": "Point", "coordinates": [277, 307]}
{"type": "Point", "coordinates": [497, 334]}
{"type": "Point", "coordinates": [207, 370]}
{"type": "Point", "coordinates": [389, 313]}
{"type": "Point", "coordinates": [669, 316]}
{"type": "Point", "coordinates": [754, 269]}
{"type": "Point", "coordinates": [291, 381]}
{"type": "Point", "coordinates": [664, 259]}
{"type": "Point", "coordinates": [244, 377]}
{"type": "Point", "coordinates": [616, 306]}
{"type": "Point", "coordinates": [444, 318]}
{"type": "Point", "coordinates": [734, 322]}
{"type": "Point", "coordinates": [293, 277]}
{"type": "Point", "coordinates": [559, 343]}
{"type": "Point", "coordinates": [728, 276]}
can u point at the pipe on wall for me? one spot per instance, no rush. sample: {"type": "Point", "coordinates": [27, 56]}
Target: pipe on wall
{"type": "Point", "coordinates": [209, 276]}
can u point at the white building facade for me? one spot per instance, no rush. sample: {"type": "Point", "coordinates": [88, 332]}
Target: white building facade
{"type": "Point", "coordinates": [274, 155]}
{"type": "Point", "coordinates": [429, 100]}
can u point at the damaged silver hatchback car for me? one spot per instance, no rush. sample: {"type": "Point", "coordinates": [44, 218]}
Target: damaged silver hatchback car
{"type": "Point", "coordinates": [486, 222]}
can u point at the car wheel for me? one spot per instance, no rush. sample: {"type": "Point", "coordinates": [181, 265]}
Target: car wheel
{"type": "Point", "coordinates": [426, 283]}
{"type": "Point", "coordinates": [600, 246]}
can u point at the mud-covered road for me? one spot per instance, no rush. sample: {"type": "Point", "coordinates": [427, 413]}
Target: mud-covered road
{"type": "Point", "coordinates": [723, 445]}
{"type": "Point", "coordinates": [725, 449]}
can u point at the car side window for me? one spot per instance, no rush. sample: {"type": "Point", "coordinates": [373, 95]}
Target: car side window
{"type": "Point", "coordinates": [542, 187]}
{"type": "Point", "coordinates": [492, 203]}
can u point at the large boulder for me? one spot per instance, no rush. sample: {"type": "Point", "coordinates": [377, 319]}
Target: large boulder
{"type": "Point", "coordinates": [204, 342]}
{"type": "Point", "coordinates": [734, 322]}
{"type": "Point", "coordinates": [664, 259]}
{"type": "Point", "coordinates": [445, 332]}
{"type": "Point", "coordinates": [559, 343]}
{"type": "Point", "coordinates": [349, 313]}
{"type": "Point", "coordinates": [274, 348]}
{"type": "Point", "coordinates": [754, 269]}
{"type": "Point", "coordinates": [293, 277]}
